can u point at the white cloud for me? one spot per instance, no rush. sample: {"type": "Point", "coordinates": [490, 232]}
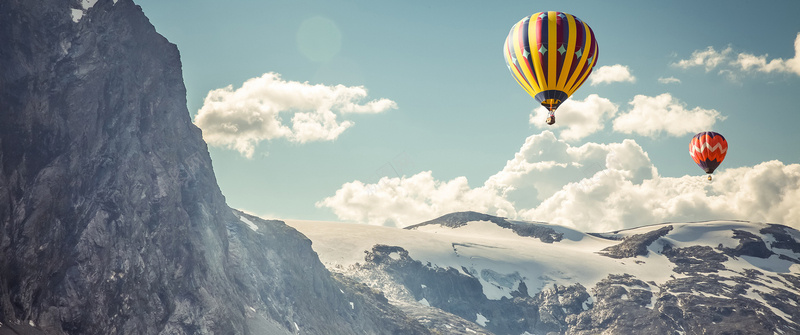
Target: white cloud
{"type": "Point", "coordinates": [593, 187]}
{"type": "Point", "coordinates": [669, 80]}
{"type": "Point", "coordinates": [728, 62]}
{"type": "Point", "coordinates": [651, 116]}
{"type": "Point", "coordinates": [611, 74]}
{"type": "Point", "coordinates": [578, 118]}
{"type": "Point", "coordinates": [544, 164]}
{"type": "Point", "coordinates": [767, 192]}
{"type": "Point", "coordinates": [408, 200]}
{"type": "Point", "coordinates": [709, 58]}
{"type": "Point", "coordinates": [759, 63]}
{"type": "Point", "coordinates": [259, 110]}
{"type": "Point", "coordinates": [320, 125]}
{"type": "Point", "coordinates": [541, 168]}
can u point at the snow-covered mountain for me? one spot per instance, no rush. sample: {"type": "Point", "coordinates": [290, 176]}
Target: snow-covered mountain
{"type": "Point", "coordinates": [474, 273]}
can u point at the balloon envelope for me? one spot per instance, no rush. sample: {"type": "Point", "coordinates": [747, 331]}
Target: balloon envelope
{"type": "Point", "coordinates": [550, 54]}
{"type": "Point", "coordinates": [708, 150]}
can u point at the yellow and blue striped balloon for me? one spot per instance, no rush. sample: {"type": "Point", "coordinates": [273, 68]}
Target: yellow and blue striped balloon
{"type": "Point", "coordinates": [550, 54]}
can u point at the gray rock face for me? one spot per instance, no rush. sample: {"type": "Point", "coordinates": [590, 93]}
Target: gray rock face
{"type": "Point", "coordinates": [635, 245]}
{"type": "Point", "coordinates": [460, 299]}
{"type": "Point", "coordinates": [111, 221]}
{"type": "Point", "coordinates": [749, 245]}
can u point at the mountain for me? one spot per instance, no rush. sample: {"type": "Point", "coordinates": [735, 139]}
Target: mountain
{"type": "Point", "coordinates": [467, 273]}
{"type": "Point", "coordinates": [111, 220]}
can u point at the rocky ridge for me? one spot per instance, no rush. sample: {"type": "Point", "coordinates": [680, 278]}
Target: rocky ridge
{"type": "Point", "coordinates": [729, 277]}
{"type": "Point", "coordinates": [543, 232]}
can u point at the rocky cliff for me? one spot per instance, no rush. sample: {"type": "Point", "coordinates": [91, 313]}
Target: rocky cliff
{"type": "Point", "coordinates": [111, 221]}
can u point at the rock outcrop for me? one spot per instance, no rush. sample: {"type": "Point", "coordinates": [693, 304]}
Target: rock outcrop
{"type": "Point", "coordinates": [635, 245]}
{"type": "Point", "coordinates": [527, 229]}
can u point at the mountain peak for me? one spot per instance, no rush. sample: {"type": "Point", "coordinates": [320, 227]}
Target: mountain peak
{"type": "Point", "coordinates": [111, 219]}
{"type": "Point", "coordinates": [542, 231]}
{"type": "Point", "coordinates": [459, 219]}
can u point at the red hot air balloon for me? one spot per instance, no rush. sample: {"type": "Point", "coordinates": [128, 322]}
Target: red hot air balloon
{"type": "Point", "coordinates": [708, 150]}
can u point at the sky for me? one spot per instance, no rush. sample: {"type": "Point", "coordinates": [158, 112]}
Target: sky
{"type": "Point", "coordinates": [396, 112]}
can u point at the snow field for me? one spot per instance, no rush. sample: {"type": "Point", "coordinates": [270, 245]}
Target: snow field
{"type": "Point", "coordinates": [499, 258]}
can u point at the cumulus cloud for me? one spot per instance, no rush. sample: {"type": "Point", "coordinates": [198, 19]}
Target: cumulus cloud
{"type": "Point", "coordinates": [403, 201]}
{"type": "Point", "coordinates": [611, 74]}
{"type": "Point", "coordinates": [708, 58]}
{"type": "Point", "coordinates": [669, 80]}
{"type": "Point", "coordinates": [541, 168]}
{"type": "Point", "coordinates": [759, 63]}
{"type": "Point", "coordinates": [652, 116]}
{"type": "Point", "coordinates": [544, 164]}
{"type": "Point", "coordinates": [578, 118]}
{"type": "Point", "coordinates": [766, 192]}
{"type": "Point", "coordinates": [594, 187]}
{"type": "Point", "coordinates": [268, 107]}
{"type": "Point", "coordinates": [728, 61]}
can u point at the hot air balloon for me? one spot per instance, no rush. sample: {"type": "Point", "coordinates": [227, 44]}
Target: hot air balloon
{"type": "Point", "coordinates": [550, 54]}
{"type": "Point", "coordinates": [708, 149]}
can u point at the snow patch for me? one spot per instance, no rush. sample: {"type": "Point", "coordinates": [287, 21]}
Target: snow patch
{"type": "Point", "coordinates": [250, 224]}
{"type": "Point", "coordinates": [31, 323]}
{"type": "Point", "coordinates": [424, 302]}
{"type": "Point", "coordinates": [481, 320]}
{"type": "Point", "coordinates": [712, 233]}
{"type": "Point", "coordinates": [497, 285]}
{"type": "Point", "coordinates": [86, 4]}
{"type": "Point", "coordinates": [352, 305]}
{"type": "Point", "coordinates": [589, 301]}
{"type": "Point", "coordinates": [77, 14]}
{"type": "Point", "coordinates": [394, 256]}
{"type": "Point", "coordinates": [652, 304]}
{"type": "Point", "coordinates": [772, 264]}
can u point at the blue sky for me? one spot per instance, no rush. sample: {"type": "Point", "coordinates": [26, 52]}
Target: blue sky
{"type": "Point", "coordinates": [394, 112]}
